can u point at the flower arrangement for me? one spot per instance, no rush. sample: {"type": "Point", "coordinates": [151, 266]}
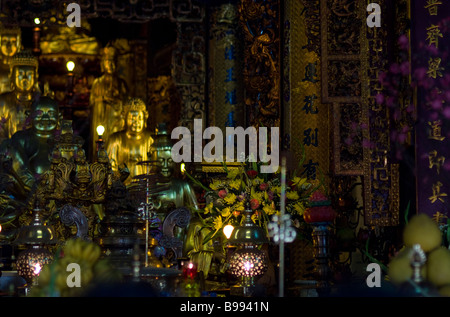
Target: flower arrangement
{"type": "Point", "coordinates": [228, 196]}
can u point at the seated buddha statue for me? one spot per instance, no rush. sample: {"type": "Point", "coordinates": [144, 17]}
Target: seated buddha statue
{"type": "Point", "coordinates": [15, 105]}
{"type": "Point", "coordinates": [108, 93]}
{"type": "Point", "coordinates": [31, 149]}
{"type": "Point", "coordinates": [131, 145]}
{"type": "Point", "coordinates": [174, 191]}
{"type": "Point", "coordinates": [10, 44]}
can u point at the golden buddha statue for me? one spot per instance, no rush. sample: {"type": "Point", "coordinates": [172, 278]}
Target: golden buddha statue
{"type": "Point", "coordinates": [15, 105]}
{"type": "Point", "coordinates": [10, 44]}
{"type": "Point", "coordinates": [175, 192]}
{"type": "Point", "coordinates": [107, 95]}
{"type": "Point", "coordinates": [131, 145]}
{"type": "Point", "coordinates": [31, 149]}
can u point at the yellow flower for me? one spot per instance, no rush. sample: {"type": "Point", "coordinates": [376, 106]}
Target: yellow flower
{"type": "Point", "coordinates": [208, 208]}
{"type": "Point", "coordinates": [239, 206]}
{"type": "Point", "coordinates": [297, 181]}
{"type": "Point", "coordinates": [218, 223]}
{"type": "Point", "coordinates": [235, 184]}
{"type": "Point", "coordinates": [256, 195]}
{"type": "Point", "coordinates": [276, 190]}
{"type": "Point", "coordinates": [300, 208]}
{"type": "Point", "coordinates": [225, 212]}
{"type": "Point", "coordinates": [215, 184]}
{"type": "Point", "coordinates": [257, 181]}
{"type": "Point", "coordinates": [230, 198]}
{"type": "Point", "coordinates": [233, 173]}
{"type": "Point", "coordinates": [292, 195]}
{"type": "Point", "coordinates": [269, 210]}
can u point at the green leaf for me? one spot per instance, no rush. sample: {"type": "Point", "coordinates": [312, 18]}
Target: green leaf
{"type": "Point", "coordinates": [407, 212]}
{"type": "Point", "coordinates": [371, 258]}
{"type": "Point", "coordinates": [197, 182]}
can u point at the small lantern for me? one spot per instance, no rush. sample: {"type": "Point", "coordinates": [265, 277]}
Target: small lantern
{"type": "Point", "coordinates": [248, 262]}
{"type": "Point", "coordinates": [31, 261]}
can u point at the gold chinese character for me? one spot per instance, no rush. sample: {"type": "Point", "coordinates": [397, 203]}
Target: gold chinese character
{"type": "Point", "coordinates": [439, 217]}
{"type": "Point", "coordinates": [433, 35]}
{"type": "Point", "coordinates": [437, 193]}
{"type": "Point", "coordinates": [434, 160]}
{"type": "Point", "coordinates": [434, 68]}
{"type": "Point", "coordinates": [432, 6]}
{"type": "Point", "coordinates": [435, 132]}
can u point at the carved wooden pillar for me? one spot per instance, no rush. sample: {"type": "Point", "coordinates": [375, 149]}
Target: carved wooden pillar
{"type": "Point", "coordinates": [353, 55]}
{"type": "Point", "coordinates": [260, 23]}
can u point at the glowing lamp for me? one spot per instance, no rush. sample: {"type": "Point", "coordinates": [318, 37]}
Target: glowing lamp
{"type": "Point", "coordinates": [36, 236]}
{"type": "Point", "coordinates": [248, 262]}
{"type": "Point", "coordinates": [228, 230]}
{"type": "Point", "coordinates": [100, 130]}
{"type": "Point", "coordinates": [37, 21]}
{"type": "Point", "coordinates": [70, 66]}
{"type": "Point", "coordinates": [183, 168]}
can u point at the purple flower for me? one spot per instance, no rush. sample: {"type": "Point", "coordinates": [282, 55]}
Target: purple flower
{"type": "Point", "coordinates": [446, 112]}
{"type": "Point", "coordinates": [432, 49]}
{"type": "Point", "coordinates": [395, 68]}
{"type": "Point", "coordinates": [420, 74]}
{"type": "Point", "coordinates": [348, 141]}
{"type": "Point", "coordinates": [390, 102]}
{"type": "Point", "coordinates": [403, 42]}
{"type": "Point", "coordinates": [382, 78]}
{"type": "Point", "coordinates": [436, 104]}
{"type": "Point", "coordinates": [367, 144]}
{"type": "Point", "coordinates": [404, 68]}
{"type": "Point", "coordinates": [379, 98]}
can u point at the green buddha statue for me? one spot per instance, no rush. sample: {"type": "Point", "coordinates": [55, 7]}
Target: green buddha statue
{"type": "Point", "coordinates": [10, 44]}
{"type": "Point", "coordinates": [108, 93]}
{"type": "Point", "coordinates": [175, 192]}
{"type": "Point", "coordinates": [131, 145]}
{"type": "Point", "coordinates": [15, 105]}
{"type": "Point", "coordinates": [31, 149]}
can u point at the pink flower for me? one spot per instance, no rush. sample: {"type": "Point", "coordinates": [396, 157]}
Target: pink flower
{"type": "Point", "coordinates": [222, 193]}
{"type": "Point", "coordinates": [263, 186]}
